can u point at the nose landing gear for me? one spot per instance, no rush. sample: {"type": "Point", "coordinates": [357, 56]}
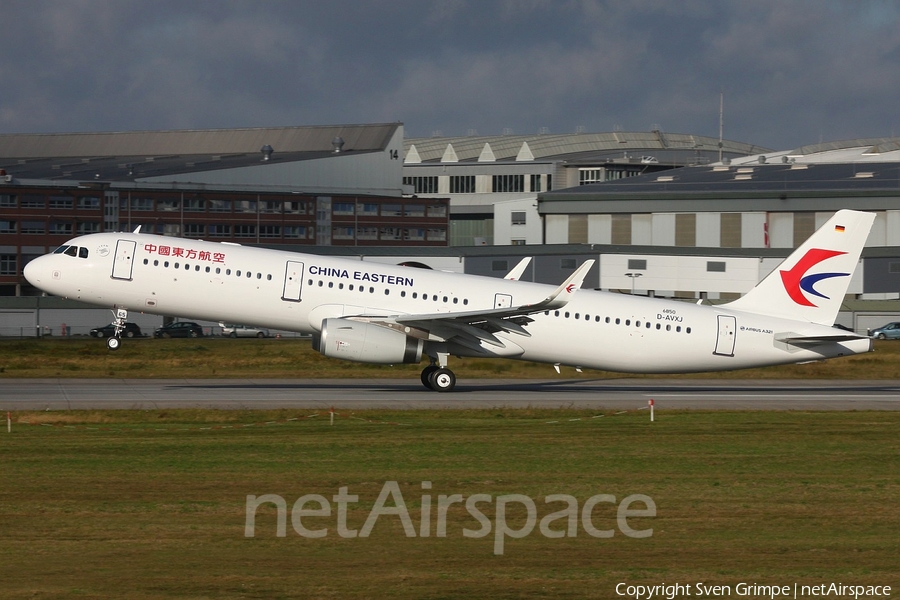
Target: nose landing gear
{"type": "Point", "coordinates": [113, 343]}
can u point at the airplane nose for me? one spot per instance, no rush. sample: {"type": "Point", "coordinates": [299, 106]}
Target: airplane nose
{"type": "Point", "coordinates": [33, 271]}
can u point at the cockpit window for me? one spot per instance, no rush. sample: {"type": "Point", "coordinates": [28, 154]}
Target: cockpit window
{"type": "Point", "coordinates": [60, 250]}
{"type": "Point", "coordinates": [71, 251]}
{"type": "Point", "coordinates": [82, 252]}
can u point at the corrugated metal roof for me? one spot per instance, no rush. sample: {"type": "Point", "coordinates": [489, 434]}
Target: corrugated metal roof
{"type": "Point", "coordinates": [194, 142]}
{"type": "Point", "coordinates": [769, 178]}
{"type": "Point", "coordinates": [506, 147]}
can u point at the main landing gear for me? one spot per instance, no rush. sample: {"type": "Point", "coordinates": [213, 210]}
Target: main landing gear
{"type": "Point", "coordinates": [437, 376]}
{"type": "Point", "coordinates": [114, 342]}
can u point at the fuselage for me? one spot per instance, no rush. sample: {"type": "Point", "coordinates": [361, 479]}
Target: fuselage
{"type": "Point", "coordinates": [296, 292]}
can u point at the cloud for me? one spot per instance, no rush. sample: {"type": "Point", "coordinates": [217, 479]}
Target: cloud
{"type": "Point", "coordinates": [792, 72]}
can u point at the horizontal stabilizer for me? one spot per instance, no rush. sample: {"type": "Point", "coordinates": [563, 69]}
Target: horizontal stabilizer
{"type": "Point", "coordinates": [812, 340]}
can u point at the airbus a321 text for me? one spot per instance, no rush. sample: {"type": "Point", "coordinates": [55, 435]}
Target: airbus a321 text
{"type": "Point", "coordinates": [386, 314]}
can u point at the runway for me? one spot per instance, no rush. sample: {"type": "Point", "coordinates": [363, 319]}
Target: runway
{"type": "Point", "coordinates": [83, 394]}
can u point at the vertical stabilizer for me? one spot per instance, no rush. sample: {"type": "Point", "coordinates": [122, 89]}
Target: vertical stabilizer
{"type": "Point", "coordinates": [810, 284]}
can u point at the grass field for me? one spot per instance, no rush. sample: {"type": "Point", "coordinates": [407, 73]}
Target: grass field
{"type": "Point", "coordinates": [287, 358]}
{"type": "Point", "coordinates": [150, 504]}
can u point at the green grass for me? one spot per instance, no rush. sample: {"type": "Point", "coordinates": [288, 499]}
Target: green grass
{"type": "Point", "coordinates": [293, 358]}
{"type": "Point", "coordinates": [151, 504]}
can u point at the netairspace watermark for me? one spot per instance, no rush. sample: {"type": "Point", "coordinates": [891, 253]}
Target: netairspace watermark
{"type": "Point", "coordinates": [569, 516]}
{"type": "Point", "coordinates": [752, 590]}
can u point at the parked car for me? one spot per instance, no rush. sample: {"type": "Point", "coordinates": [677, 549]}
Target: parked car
{"type": "Point", "coordinates": [891, 331]}
{"type": "Point", "coordinates": [131, 330]}
{"type": "Point", "coordinates": [236, 331]}
{"type": "Point", "coordinates": [179, 329]}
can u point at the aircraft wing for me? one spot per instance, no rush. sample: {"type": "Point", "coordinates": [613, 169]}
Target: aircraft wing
{"type": "Point", "coordinates": [472, 327]}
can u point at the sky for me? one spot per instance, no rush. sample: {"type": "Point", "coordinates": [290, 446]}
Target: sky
{"type": "Point", "coordinates": [792, 72]}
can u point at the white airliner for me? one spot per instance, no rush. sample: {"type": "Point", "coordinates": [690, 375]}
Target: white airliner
{"type": "Point", "coordinates": [392, 314]}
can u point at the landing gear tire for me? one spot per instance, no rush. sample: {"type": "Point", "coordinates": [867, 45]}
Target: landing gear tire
{"type": "Point", "coordinates": [113, 343]}
{"type": "Point", "coordinates": [426, 375]}
{"type": "Point", "coordinates": [442, 380]}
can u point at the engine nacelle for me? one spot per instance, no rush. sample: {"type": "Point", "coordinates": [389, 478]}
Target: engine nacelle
{"type": "Point", "coordinates": [368, 343]}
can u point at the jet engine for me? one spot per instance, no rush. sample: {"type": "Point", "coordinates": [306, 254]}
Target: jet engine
{"type": "Point", "coordinates": [367, 342]}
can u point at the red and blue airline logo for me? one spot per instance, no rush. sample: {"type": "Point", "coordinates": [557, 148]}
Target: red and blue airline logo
{"type": "Point", "coordinates": [796, 281]}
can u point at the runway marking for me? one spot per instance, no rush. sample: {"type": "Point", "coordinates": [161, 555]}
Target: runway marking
{"type": "Point", "coordinates": [819, 396]}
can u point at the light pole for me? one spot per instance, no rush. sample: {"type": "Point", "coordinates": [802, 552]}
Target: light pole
{"type": "Point", "coordinates": [633, 276]}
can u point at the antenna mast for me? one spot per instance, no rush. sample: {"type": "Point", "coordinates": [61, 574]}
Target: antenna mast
{"type": "Point", "coordinates": [721, 121]}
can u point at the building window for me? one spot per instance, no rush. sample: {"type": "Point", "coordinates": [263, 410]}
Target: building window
{"type": "Point", "coordinates": [8, 201]}
{"type": "Point", "coordinates": [391, 233]}
{"type": "Point", "coordinates": [88, 203]}
{"type": "Point", "coordinates": [391, 210]}
{"type": "Point", "coordinates": [194, 205]}
{"type": "Point", "coordinates": [7, 226]}
{"type": "Point", "coordinates": [518, 217]}
{"type": "Point", "coordinates": [586, 176]}
{"type": "Point", "coordinates": [295, 208]}
{"type": "Point", "coordinates": [34, 227]}
{"type": "Point", "coordinates": [270, 231]}
{"type": "Point", "coordinates": [414, 210]}
{"type": "Point", "coordinates": [343, 208]}
{"type": "Point", "coordinates": [499, 265]}
{"type": "Point", "coordinates": [567, 263]}
{"type": "Point", "coordinates": [8, 264]}
{"type": "Point", "coordinates": [33, 201]}
{"type": "Point", "coordinates": [138, 204]}
{"type": "Point", "coordinates": [437, 235]}
{"type": "Point", "coordinates": [58, 228]}
{"type": "Point", "coordinates": [637, 264]}
{"type": "Point", "coordinates": [85, 228]}
{"type": "Point", "coordinates": [168, 204]}
{"type": "Point", "coordinates": [508, 183]}
{"type": "Point", "coordinates": [194, 230]}
{"type": "Point", "coordinates": [270, 207]}
{"type": "Point", "coordinates": [414, 234]}
{"type": "Point", "coordinates": [368, 209]}
{"type": "Point", "coordinates": [517, 242]}
{"type": "Point", "coordinates": [462, 184]}
{"type": "Point", "coordinates": [367, 233]}
{"type": "Point", "coordinates": [894, 267]}
{"type": "Point", "coordinates": [536, 183]}
{"type": "Point", "coordinates": [437, 211]}
{"type": "Point", "coordinates": [245, 231]}
{"type": "Point", "coordinates": [422, 185]}
{"type": "Point", "coordinates": [245, 206]}
{"type": "Point", "coordinates": [295, 232]}
{"type": "Point", "coordinates": [219, 230]}
{"type": "Point", "coordinates": [61, 202]}
{"type": "Point", "coordinates": [220, 206]}
{"type": "Point", "coordinates": [342, 233]}
{"type": "Point", "coordinates": [715, 266]}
